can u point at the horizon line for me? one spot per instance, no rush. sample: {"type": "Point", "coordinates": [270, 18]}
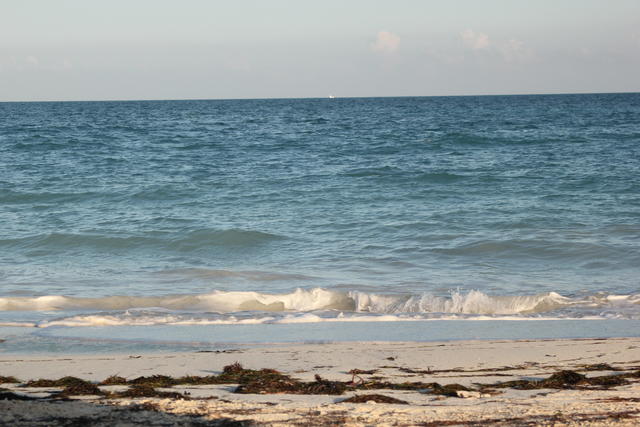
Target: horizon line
{"type": "Point", "coordinates": [320, 97]}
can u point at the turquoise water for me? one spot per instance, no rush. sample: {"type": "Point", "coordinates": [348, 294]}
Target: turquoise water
{"type": "Point", "coordinates": [314, 210]}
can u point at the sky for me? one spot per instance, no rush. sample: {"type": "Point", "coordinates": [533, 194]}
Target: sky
{"type": "Point", "coordinates": [210, 49]}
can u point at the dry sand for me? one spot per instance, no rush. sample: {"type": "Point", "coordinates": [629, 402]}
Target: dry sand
{"type": "Point", "coordinates": [466, 363]}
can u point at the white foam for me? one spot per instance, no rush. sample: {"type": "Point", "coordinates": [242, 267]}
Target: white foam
{"type": "Point", "coordinates": [298, 318]}
{"type": "Point", "coordinates": [18, 324]}
{"type": "Point", "coordinates": [319, 299]}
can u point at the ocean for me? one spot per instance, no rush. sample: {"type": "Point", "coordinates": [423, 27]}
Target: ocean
{"type": "Point", "coordinates": [209, 223]}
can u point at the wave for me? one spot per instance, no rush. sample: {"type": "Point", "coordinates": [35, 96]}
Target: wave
{"type": "Point", "coordinates": [192, 240]}
{"type": "Point", "coordinates": [320, 299]}
{"type": "Point", "coordinates": [537, 249]}
{"type": "Point", "coordinates": [133, 318]}
{"type": "Point", "coordinates": [19, 197]}
{"type": "Point", "coordinates": [255, 275]}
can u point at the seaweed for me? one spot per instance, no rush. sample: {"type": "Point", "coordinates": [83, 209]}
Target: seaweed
{"type": "Point", "coordinates": [145, 390]}
{"type": "Point", "coordinates": [234, 368]}
{"type": "Point", "coordinates": [60, 382]}
{"type": "Point", "coordinates": [270, 383]}
{"type": "Point", "coordinates": [197, 380]}
{"type": "Point", "coordinates": [8, 380]}
{"type": "Point", "coordinates": [415, 371]}
{"type": "Point", "coordinates": [377, 385]}
{"type": "Point", "coordinates": [607, 381]}
{"type": "Point", "coordinates": [362, 371]}
{"type": "Point", "coordinates": [450, 390]}
{"type": "Point", "coordinates": [634, 374]}
{"type": "Point", "coordinates": [322, 386]}
{"type": "Point", "coordinates": [114, 380]}
{"type": "Point", "coordinates": [563, 380]}
{"type": "Point", "coordinates": [598, 367]}
{"type": "Point", "coordinates": [153, 381]}
{"type": "Point", "coordinates": [81, 389]}
{"type": "Point", "coordinates": [236, 374]}
{"type": "Point", "coordinates": [377, 398]}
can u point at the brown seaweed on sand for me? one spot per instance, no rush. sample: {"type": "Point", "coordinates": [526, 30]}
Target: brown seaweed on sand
{"type": "Point", "coordinates": [60, 382]}
{"type": "Point", "coordinates": [81, 389]}
{"type": "Point", "coordinates": [377, 398]}
{"type": "Point", "coordinates": [144, 390]}
{"type": "Point", "coordinates": [563, 380]}
{"type": "Point", "coordinates": [153, 381]}
{"type": "Point", "coordinates": [114, 380]}
{"type": "Point", "coordinates": [284, 384]}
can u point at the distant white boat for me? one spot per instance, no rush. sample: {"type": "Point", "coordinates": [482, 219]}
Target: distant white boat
{"type": "Point", "coordinates": [331, 96]}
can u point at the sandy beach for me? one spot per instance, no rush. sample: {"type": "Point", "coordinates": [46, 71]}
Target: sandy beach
{"type": "Point", "coordinates": [529, 382]}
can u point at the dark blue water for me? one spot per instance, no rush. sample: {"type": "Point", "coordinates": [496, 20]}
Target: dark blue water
{"type": "Point", "coordinates": [217, 211]}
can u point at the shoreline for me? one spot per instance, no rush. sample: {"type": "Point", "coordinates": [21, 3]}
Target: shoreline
{"type": "Point", "coordinates": [467, 370]}
{"type": "Point", "coordinates": [188, 338]}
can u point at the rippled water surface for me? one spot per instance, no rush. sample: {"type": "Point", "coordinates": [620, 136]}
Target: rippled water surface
{"type": "Point", "coordinates": [267, 211]}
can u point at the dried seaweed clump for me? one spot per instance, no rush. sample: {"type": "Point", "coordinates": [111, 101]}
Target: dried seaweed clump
{"type": "Point", "coordinates": [271, 383]}
{"type": "Point", "coordinates": [60, 382]}
{"type": "Point", "coordinates": [377, 398]}
{"type": "Point", "coordinates": [81, 389]}
{"type": "Point", "coordinates": [599, 367]}
{"type": "Point", "coordinates": [450, 390]}
{"type": "Point", "coordinates": [564, 380]}
{"type": "Point", "coordinates": [154, 381]}
{"type": "Point", "coordinates": [196, 380]}
{"type": "Point", "coordinates": [114, 380]}
{"type": "Point", "coordinates": [8, 380]}
{"type": "Point", "coordinates": [145, 390]}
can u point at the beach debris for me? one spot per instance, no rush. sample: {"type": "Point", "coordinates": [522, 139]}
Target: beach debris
{"type": "Point", "coordinates": [81, 389]}
{"type": "Point", "coordinates": [9, 380]}
{"type": "Point", "coordinates": [564, 380]}
{"type": "Point", "coordinates": [197, 380]}
{"type": "Point", "coordinates": [60, 382]}
{"type": "Point", "coordinates": [284, 384]}
{"type": "Point", "coordinates": [154, 381]}
{"type": "Point", "coordinates": [449, 390]}
{"type": "Point", "coordinates": [362, 371]}
{"type": "Point", "coordinates": [145, 390]}
{"type": "Point", "coordinates": [114, 380]}
{"type": "Point", "coordinates": [607, 381]}
{"type": "Point", "coordinates": [377, 398]}
{"type": "Point", "coordinates": [634, 374]}
{"type": "Point", "coordinates": [355, 373]}
{"type": "Point", "coordinates": [235, 367]}
{"type": "Point", "coordinates": [416, 371]}
{"type": "Point", "coordinates": [598, 367]}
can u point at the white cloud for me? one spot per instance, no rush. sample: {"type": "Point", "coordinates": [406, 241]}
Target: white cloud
{"type": "Point", "coordinates": [514, 50]}
{"type": "Point", "coordinates": [386, 42]}
{"type": "Point", "coordinates": [475, 40]}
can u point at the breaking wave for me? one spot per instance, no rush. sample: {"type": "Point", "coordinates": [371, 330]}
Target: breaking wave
{"type": "Point", "coordinates": [316, 305]}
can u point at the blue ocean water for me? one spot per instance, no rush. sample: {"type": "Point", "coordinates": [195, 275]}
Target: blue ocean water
{"type": "Point", "coordinates": [223, 212]}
